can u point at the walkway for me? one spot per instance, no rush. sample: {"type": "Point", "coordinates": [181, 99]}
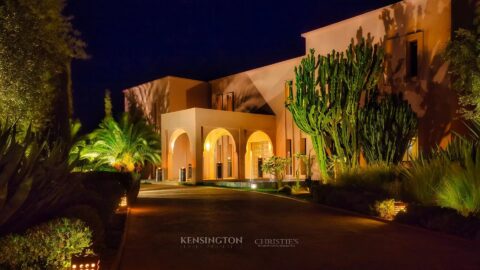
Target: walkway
{"type": "Point", "coordinates": [318, 238]}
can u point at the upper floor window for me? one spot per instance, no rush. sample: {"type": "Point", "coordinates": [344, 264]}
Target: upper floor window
{"type": "Point", "coordinates": [229, 102]}
{"type": "Point", "coordinates": [412, 59]}
{"type": "Point", "coordinates": [225, 102]}
{"type": "Point", "coordinates": [219, 102]}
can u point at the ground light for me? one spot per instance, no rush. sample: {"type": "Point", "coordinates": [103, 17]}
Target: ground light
{"type": "Point", "coordinates": [85, 262]}
{"type": "Point", "coordinates": [253, 186]}
{"type": "Point", "coordinates": [123, 204]}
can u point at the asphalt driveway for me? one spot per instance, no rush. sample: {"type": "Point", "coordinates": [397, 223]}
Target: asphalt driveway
{"type": "Point", "coordinates": [176, 227]}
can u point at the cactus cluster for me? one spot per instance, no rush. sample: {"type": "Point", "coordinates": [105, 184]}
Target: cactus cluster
{"type": "Point", "coordinates": [387, 127]}
{"type": "Point", "coordinates": [327, 100]}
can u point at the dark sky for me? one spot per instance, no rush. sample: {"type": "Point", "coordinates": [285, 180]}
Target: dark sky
{"type": "Point", "coordinates": [131, 42]}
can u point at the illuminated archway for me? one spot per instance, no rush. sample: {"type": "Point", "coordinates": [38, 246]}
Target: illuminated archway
{"type": "Point", "coordinates": [259, 147]}
{"type": "Point", "coordinates": [220, 157]}
{"type": "Point", "coordinates": [179, 154]}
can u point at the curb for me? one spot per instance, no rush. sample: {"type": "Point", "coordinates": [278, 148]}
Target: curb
{"type": "Point", "coordinates": [118, 257]}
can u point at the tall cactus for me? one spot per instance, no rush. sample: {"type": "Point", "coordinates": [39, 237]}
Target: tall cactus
{"type": "Point", "coordinates": [327, 100]}
{"type": "Point", "coordinates": [387, 128]}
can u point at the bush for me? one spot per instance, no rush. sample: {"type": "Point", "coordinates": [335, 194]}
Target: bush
{"type": "Point", "coordinates": [46, 246]}
{"type": "Point", "coordinates": [375, 178]}
{"type": "Point", "coordinates": [445, 220]}
{"type": "Point", "coordinates": [33, 179]}
{"type": "Point", "coordinates": [460, 188]}
{"type": "Point", "coordinates": [92, 219]}
{"type": "Point", "coordinates": [386, 208]}
{"type": "Point", "coordinates": [285, 190]}
{"type": "Point", "coordinates": [422, 180]}
{"type": "Point", "coordinates": [346, 198]}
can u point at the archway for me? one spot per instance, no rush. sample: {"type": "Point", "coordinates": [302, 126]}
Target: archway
{"type": "Point", "coordinates": [180, 155]}
{"type": "Point", "coordinates": [220, 157]}
{"type": "Point", "coordinates": [259, 147]}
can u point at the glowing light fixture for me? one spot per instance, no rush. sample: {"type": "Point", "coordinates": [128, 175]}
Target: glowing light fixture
{"type": "Point", "coordinates": [253, 186]}
{"type": "Point", "coordinates": [207, 146]}
{"type": "Point", "coordinates": [85, 262]}
{"type": "Point", "coordinates": [123, 204]}
{"type": "Point", "coordinates": [399, 207]}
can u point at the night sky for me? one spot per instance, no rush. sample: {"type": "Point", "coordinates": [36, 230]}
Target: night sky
{"type": "Point", "coordinates": [131, 42]}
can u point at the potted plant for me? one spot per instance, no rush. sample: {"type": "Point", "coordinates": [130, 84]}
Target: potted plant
{"type": "Point", "coordinates": [308, 161]}
{"type": "Point", "coordinates": [275, 166]}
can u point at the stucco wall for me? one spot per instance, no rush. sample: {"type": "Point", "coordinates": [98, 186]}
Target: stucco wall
{"type": "Point", "coordinates": [430, 95]}
{"type": "Point", "coordinates": [169, 94]}
{"type": "Point", "coordinates": [198, 123]}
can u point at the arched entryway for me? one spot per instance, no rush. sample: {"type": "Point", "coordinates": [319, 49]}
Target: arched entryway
{"type": "Point", "coordinates": [259, 147]}
{"type": "Point", "coordinates": [220, 157]}
{"type": "Point", "coordinates": [179, 155]}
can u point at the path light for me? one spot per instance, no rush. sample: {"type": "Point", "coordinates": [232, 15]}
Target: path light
{"type": "Point", "coordinates": [399, 206]}
{"type": "Point", "coordinates": [85, 262]}
{"type": "Point", "coordinates": [253, 186]}
{"type": "Point", "coordinates": [123, 204]}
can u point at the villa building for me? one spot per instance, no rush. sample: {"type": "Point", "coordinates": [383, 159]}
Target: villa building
{"type": "Point", "coordinates": [225, 128]}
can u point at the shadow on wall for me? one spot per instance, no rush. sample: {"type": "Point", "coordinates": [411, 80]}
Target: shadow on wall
{"type": "Point", "coordinates": [429, 93]}
{"type": "Point", "coordinates": [247, 98]}
{"type": "Point", "coordinates": [151, 99]}
{"type": "Point", "coordinates": [199, 96]}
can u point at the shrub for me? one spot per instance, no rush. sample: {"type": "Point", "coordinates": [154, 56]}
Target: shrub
{"type": "Point", "coordinates": [285, 190]}
{"type": "Point", "coordinates": [460, 188]}
{"type": "Point", "coordinates": [386, 208]}
{"type": "Point", "coordinates": [92, 219]}
{"type": "Point", "coordinates": [377, 177]}
{"type": "Point", "coordinates": [33, 179]}
{"type": "Point", "coordinates": [46, 246]}
{"type": "Point", "coordinates": [275, 166]}
{"type": "Point", "coordinates": [422, 180]}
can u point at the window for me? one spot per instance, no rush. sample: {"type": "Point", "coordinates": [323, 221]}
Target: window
{"type": "Point", "coordinates": [230, 102]}
{"type": "Point", "coordinates": [412, 63]}
{"type": "Point", "coordinates": [219, 102]}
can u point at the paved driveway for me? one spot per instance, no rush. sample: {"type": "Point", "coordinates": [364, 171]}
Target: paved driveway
{"type": "Point", "coordinates": [307, 236]}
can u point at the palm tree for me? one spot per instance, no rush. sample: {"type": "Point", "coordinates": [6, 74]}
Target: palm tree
{"type": "Point", "coordinates": [124, 146]}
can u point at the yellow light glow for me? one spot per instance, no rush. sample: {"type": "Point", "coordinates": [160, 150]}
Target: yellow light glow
{"type": "Point", "coordinates": [207, 146]}
{"type": "Point", "coordinates": [123, 202]}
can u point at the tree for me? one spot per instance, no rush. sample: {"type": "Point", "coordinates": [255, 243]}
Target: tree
{"type": "Point", "coordinates": [37, 44]}
{"type": "Point", "coordinates": [463, 53]}
{"type": "Point", "coordinates": [124, 145]}
{"type": "Point", "coordinates": [328, 94]}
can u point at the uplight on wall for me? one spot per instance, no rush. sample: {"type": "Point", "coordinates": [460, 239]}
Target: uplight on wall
{"type": "Point", "coordinates": [207, 146]}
